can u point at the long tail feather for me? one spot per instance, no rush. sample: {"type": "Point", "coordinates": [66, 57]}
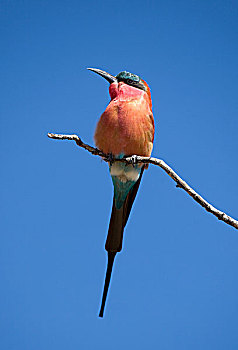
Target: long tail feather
{"type": "Point", "coordinates": [113, 245]}
{"type": "Point", "coordinates": [115, 230]}
{"type": "Point", "coordinates": [111, 257]}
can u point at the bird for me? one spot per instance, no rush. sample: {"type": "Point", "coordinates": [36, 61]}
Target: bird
{"type": "Point", "coordinates": [126, 128]}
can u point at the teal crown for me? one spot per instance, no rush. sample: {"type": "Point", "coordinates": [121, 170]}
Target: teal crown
{"type": "Point", "coordinates": [127, 75]}
{"type": "Point", "coordinates": [131, 79]}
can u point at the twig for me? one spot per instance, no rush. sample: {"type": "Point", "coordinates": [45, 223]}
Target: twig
{"type": "Point", "coordinates": [148, 160]}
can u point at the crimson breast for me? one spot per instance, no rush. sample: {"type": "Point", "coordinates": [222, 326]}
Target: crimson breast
{"type": "Point", "coordinates": [127, 125]}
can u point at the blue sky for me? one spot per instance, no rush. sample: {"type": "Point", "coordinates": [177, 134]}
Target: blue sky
{"type": "Point", "coordinates": [175, 283]}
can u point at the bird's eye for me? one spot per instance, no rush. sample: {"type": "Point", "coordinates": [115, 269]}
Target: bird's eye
{"type": "Point", "coordinates": [130, 81]}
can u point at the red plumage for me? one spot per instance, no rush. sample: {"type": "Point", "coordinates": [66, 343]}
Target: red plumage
{"type": "Point", "coordinates": [127, 125]}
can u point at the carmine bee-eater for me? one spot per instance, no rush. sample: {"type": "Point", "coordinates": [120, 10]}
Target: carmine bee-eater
{"type": "Point", "coordinates": [126, 128]}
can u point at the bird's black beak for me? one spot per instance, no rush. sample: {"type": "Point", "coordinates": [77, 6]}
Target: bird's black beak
{"type": "Point", "coordinates": [110, 78]}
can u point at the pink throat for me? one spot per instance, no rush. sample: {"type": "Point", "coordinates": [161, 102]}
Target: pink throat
{"type": "Point", "coordinates": [123, 91]}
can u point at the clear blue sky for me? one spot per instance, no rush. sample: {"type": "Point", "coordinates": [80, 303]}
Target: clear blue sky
{"type": "Point", "coordinates": [175, 284]}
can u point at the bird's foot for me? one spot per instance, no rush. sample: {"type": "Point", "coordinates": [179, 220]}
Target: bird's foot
{"type": "Point", "coordinates": [110, 158]}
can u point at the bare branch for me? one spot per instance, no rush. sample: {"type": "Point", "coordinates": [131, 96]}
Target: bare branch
{"type": "Point", "coordinates": [148, 160]}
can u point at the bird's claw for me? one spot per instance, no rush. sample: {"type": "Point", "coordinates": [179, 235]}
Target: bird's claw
{"type": "Point", "coordinates": [110, 158]}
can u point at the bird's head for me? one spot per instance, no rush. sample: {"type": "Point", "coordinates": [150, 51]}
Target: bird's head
{"type": "Point", "coordinates": [124, 77]}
